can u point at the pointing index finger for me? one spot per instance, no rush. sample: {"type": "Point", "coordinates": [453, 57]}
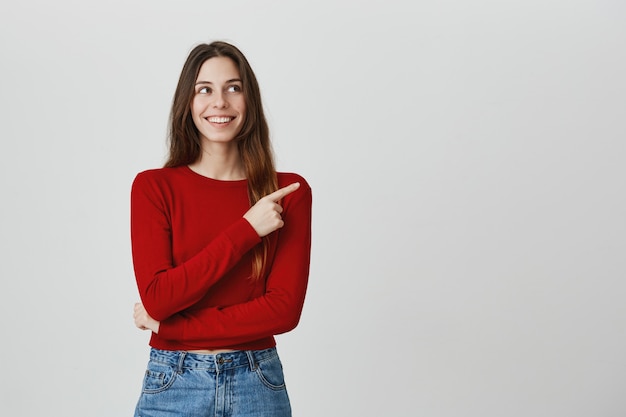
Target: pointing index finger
{"type": "Point", "coordinates": [282, 192]}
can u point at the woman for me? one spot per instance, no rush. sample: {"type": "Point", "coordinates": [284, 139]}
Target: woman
{"type": "Point", "coordinates": [221, 249]}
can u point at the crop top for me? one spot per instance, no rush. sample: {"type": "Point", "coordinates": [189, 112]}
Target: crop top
{"type": "Point", "coordinates": [192, 258]}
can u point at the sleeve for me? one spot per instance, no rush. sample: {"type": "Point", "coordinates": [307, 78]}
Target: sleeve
{"type": "Point", "coordinates": [277, 311]}
{"type": "Point", "coordinates": [166, 289]}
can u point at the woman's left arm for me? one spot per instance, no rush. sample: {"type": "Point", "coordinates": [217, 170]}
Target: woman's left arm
{"type": "Point", "coordinates": [277, 311]}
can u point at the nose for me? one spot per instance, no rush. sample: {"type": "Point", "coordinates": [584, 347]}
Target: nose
{"type": "Point", "coordinates": [219, 101]}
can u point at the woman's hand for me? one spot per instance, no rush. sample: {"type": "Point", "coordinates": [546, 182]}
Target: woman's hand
{"type": "Point", "coordinates": [265, 216]}
{"type": "Point", "coordinates": [143, 320]}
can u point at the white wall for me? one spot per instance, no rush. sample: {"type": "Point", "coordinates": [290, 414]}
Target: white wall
{"type": "Point", "coordinates": [467, 161]}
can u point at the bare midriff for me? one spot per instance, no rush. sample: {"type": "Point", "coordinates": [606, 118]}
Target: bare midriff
{"type": "Point", "coordinates": [210, 351]}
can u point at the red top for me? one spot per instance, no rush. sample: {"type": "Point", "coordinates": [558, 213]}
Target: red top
{"type": "Point", "coordinates": [193, 260]}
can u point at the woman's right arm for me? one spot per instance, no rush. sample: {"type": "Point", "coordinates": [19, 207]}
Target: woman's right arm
{"type": "Point", "coordinates": [166, 289]}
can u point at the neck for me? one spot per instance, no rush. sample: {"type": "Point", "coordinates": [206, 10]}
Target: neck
{"type": "Point", "coordinates": [220, 163]}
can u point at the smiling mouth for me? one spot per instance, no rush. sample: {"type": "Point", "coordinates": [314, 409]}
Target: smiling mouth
{"type": "Point", "coordinates": [221, 119]}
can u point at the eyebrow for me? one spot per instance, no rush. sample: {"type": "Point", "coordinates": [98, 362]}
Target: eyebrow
{"type": "Point", "coordinates": [227, 82]}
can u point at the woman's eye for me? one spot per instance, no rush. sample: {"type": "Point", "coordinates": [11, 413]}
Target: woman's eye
{"type": "Point", "coordinates": [204, 90]}
{"type": "Point", "coordinates": [234, 89]}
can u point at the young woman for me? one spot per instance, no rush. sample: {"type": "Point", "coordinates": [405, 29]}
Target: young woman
{"type": "Point", "coordinates": [221, 248]}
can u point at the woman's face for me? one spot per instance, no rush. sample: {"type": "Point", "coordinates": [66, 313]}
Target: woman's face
{"type": "Point", "coordinates": [218, 107]}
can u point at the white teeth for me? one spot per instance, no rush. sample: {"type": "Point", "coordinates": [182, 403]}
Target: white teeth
{"type": "Point", "coordinates": [220, 119]}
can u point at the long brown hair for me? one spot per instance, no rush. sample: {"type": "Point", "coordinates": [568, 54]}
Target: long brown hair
{"type": "Point", "coordinates": [253, 140]}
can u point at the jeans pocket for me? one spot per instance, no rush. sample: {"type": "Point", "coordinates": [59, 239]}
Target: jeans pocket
{"type": "Point", "coordinates": [270, 372]}
{"type": "Point", "coordinates": [158, 377]}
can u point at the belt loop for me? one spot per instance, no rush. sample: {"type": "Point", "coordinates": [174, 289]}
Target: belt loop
{"type": "Point", "coordinates": [251, 360]}
{"type": "Point", "coordinates": [181, 360]}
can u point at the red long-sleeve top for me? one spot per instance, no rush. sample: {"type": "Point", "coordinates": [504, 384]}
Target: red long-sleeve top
{"type": "Point", "coordinates": [192, 256]}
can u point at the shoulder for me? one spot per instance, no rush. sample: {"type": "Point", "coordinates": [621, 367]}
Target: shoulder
{"type": "Point", "coordinates": [286, 178]}
{"type": "Point", "coordinates": [158, 181]}
{"type": "Point", "coordinates": [301, 199]}
{"type": "Point", "coordinates": [158, 175]}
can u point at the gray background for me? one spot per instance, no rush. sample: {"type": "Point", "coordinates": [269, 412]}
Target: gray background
{"type": "Point", "coordinates": [467, 161]}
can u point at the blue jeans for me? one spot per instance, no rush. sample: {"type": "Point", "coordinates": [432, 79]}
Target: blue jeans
{"type": "Point", "coordinates": [234, 384]}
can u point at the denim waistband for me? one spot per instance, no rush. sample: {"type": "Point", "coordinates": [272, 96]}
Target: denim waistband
{"type": "Point", "coordinates": [228, 360]}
